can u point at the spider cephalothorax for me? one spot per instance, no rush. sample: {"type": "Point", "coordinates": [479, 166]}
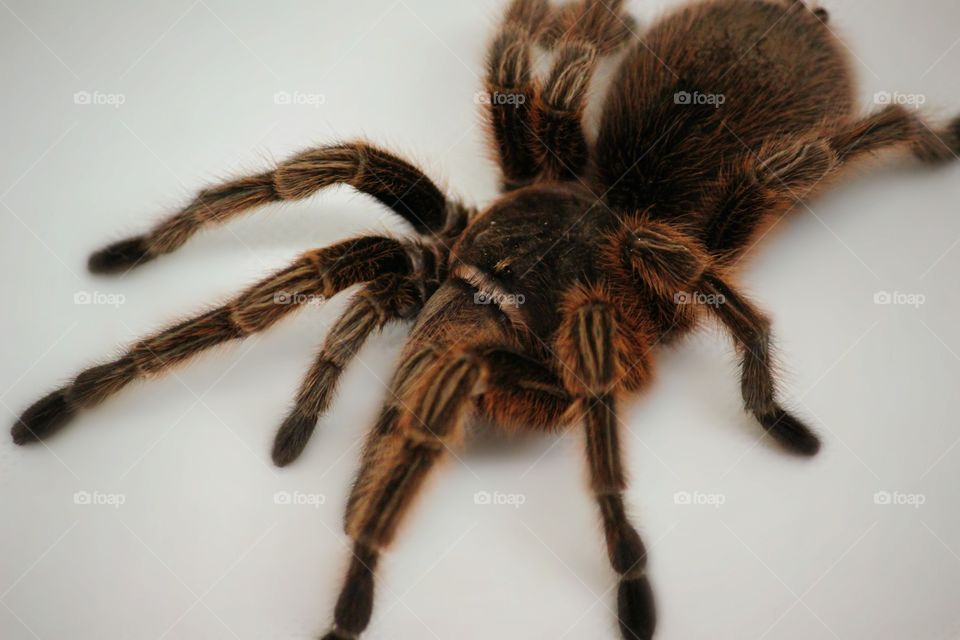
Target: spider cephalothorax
{"type": "Point", "coordinates": [545, 307]}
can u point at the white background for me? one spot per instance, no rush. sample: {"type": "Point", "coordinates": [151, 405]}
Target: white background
{"type": "Point", "coordinates": [199, 549]}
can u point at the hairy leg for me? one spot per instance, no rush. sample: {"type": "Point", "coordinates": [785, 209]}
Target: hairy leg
{"type": "Point", "coordinates": [558, 112]}
{"type": "Point", "coordinates": [896, 125]}
{"type": "Point", "coordinates": [770, 183]}
{"type": "Point", "coordinates": [322, 272]}
{"type": "Point", "coordinates": [518, 392]}
{"type": "Point", "coordinates": [751, 332]}
{"type": "Point", "coordinates": [388, 298]}
{"type": "Point", "coordinates": [410, 370]}
{"type": "Point", "coordinates": [512, 90]}
{"type": "Point", "coordinates": [764, 185]}
{"type": "Point", "coordinates": [784, 172]}
{"type": "Point", "coordinates": [393, 181]}
{"type": "Point", "coordinates": [440, 380]}
{"type": "Point", "coordinates": [418, 436]}
{"type": "Point", "coordinates": [521, 393]}
{"type": "Point", "coordinates": [603, 23]}
{"type": "Point", "coordinates": [537, 127]}
{"type": "Point", "coordinates": [593, 346]}
{"type": "Point", "coordinates": [579, 33]}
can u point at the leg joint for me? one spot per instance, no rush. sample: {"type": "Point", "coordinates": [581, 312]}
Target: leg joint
{"type": "Point", "coordinates": [590, 347]}
{"type": "Point", "coordinates": [307, 172]}
{"type": "Point", "coordinates": [441, 400]}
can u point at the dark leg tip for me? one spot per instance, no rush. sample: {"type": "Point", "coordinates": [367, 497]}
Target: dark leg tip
{"type": "Point", "coordinates": [954, 132]}
{"type": "Point", "coordinates": [792, 434]}
{"type": "Point", "coordinates": [822, 14]}
{"type": "Point", "coordinates": [120, 256]}
{"type": "Point", "coordinates": [355, 604]}
{"type": "Point", "coordinates": [636, 609]}
{"type": "Point", "coordinates": [292, 438]}
{"type": "Point", "coordinates": [43, 418]}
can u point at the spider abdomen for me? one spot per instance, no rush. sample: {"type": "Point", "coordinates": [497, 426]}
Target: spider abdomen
{"type": "Point", "coordinates": [710, 85]}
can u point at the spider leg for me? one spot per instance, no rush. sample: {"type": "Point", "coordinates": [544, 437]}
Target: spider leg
{"type": "Point", "coordinates": [385, 430]}
{"type": "Point", "coordinates": [751, 331]}
{"type": "Point", "coordinates": [784, 172]}
{"type": "Point", "coordinates": [579, 33]}
{"type": "Point", "coordinates": [558, 111]}
{"type": "Point", "coordinates": [439, 381]}
{"type": "Point", "coordinates": [603, 23]}
{"type": "Point", "coordinates": [521, 393]}
{"type": "Point", "coordinates": [511, 91]}
{"type": "Point", "coordinates": [896, 125]}
{"type": "Point", "coordinates": [322, 272]}
{"type": "Point", "coordinates": [387, 298]}
{"type": "Point", "coordinates": [762, 186]}
{"type": "Point", "coordinates": [518, 392]}
{"type": "Point", "coordinates": [430, 423]}
{"type": "Point", "coordinates": [592, 346]}
{"type": "Point", "coordinates": [538, 128]}
{"type": "Point", "coordinates": [393, 181]}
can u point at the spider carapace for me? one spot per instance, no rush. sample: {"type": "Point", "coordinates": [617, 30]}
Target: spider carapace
{"type": "Point", "coordinates": [545, 308]}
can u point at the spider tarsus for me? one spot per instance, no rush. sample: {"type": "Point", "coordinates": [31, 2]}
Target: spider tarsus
{"type": "Point", "coordinates": [120, 256]}
{"type": "Point", "coordinates": [43, 418]}
{"type": "Point", "coordinates": [355, 604]}
{"type": "Point", "coordinates": [636, 610]}
{"type": "Point", "coordinates": [292, 438]}
{"type": "Point", "coordinates": [792, 434]}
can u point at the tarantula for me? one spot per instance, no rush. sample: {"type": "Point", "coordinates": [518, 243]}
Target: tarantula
{"type": "Point", "coordinates": [722, 116]}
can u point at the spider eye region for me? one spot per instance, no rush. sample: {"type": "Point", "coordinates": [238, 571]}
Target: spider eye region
{"type": "Point", "coordinates": [664, 259]}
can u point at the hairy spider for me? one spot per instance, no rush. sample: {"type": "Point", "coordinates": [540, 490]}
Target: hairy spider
{"type": "Point", "coordinates": [721, 118]}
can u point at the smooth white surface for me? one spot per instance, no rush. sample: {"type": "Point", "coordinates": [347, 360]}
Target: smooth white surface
{"type": "Point", "coordinates": [200, 549]}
